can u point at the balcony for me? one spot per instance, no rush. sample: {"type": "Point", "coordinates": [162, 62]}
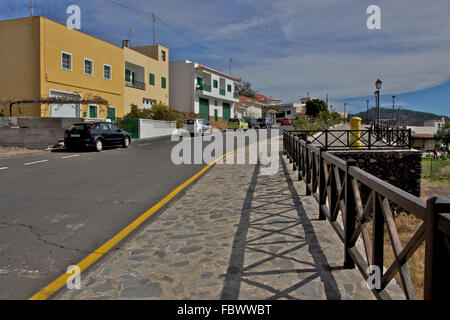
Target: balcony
{"type": "Point", "coordinates": [204, 87]}
{"type": "Point", "coordinates": [236, 95]}
{"type": "Point", "coordinates": [135, 84]}
{"type": "Point", "coordinates": [222, 92]}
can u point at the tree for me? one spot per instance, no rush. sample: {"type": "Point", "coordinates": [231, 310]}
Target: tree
{"type": "Point", "coordinates": [159, 111]}
{"type": "Point", "coordinates": [315, 106]}
{"type": "Point", "coordinates": [245, 89]}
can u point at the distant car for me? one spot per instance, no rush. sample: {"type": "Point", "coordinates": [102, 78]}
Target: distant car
{"type": "Point", "coordinates": [263, 123]}
{"type": "Point", "coordinates": [251, 122]}
{"type": "Point", "coordinates": [286, 121]}
{"type": "Point", "coordinates": [95, 135]}
{"type": "Point", "coordinates": [197, 126]}
{"type": "Point", "coordinates": [237, 123]}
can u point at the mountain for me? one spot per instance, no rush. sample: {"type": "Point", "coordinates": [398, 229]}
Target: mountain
{"type": "Point", "coordinates": [407, 117]}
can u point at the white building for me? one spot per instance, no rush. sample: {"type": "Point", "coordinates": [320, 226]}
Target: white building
{"type": "Point", "coordinates": [202, 90]}
{"type": "Point", "coordinates": [292, 110]}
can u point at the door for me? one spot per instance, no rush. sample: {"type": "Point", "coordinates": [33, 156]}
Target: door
{"type": "Point", "coordinates": [104, 130]}
{"type": "Point", "coordinates": [215, 115]}
{"type": "Point", "coordinates": [92, 111]}
{"type": "Point", "coordinates": [116, 135]}
{"type": "Point", "coordinates": [226, 111]}
{"type": "Point", "coordinates": [112, 113]}
{"type": "Point", "coordinates": [204, 108]}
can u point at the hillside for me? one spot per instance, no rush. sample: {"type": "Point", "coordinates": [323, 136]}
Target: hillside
{"type": "Point", "coordinates": [407, 117]}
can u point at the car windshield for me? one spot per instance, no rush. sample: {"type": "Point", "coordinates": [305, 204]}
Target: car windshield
{"type": "Point", "coordinates": [261, 119]}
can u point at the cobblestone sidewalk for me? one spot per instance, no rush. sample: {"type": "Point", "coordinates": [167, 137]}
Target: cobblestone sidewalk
{"type": "Point", "coordinates": [235, 234]}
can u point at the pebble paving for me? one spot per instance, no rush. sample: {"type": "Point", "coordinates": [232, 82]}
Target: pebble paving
{"type": "Point", "coordinates": [234, 234]}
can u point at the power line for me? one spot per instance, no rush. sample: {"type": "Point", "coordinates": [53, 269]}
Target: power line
{"type": "Point", "coordinates": [201, 46]}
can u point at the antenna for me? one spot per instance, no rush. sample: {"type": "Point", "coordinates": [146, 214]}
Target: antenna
{"type": "Point", "coordinates": [129, 35]}
{"type": "Point", "coordinates": [154, 19]}
{"type": "Point", "coordinates": [230, 65]}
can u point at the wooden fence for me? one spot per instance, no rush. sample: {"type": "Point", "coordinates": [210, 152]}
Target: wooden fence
{"type": "Point", "coordinates": [335, 185]}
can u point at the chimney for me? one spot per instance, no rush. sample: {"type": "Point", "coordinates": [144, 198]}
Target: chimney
{"type": "Point", "coordinates": [125, 43]}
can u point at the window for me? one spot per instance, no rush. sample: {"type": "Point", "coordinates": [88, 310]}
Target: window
{"type": "Point", "coordinates": [215, 83]}
{"type": "Point", "coordinates": [66, 61]}
{"type": "Point", "coordinates": [229, 88]}
{"type": "Point", "coordinates": [151, 79]}
{"type": "Point", "coordinates": [147, 103]}
{"type": "Point", "coordinates": [88, 67]}
{"type": "Point", "coordinates": [163, 55]}
{"type": "Point", "coordinates": [163, 82]}
{"type": "Point", "coordinates": [107, 72]}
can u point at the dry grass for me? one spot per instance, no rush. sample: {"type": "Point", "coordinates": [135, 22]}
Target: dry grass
{"type": "Point", "coordinates": [407, 225]}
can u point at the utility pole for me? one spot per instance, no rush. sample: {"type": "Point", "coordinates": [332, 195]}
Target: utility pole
{"type": "Point", "coordinates": [31, 8]}
{"type": "Point", "coordinates": [154, 20]}
{"type": "Point", "coordinates": [327, 99]}
{"type": "Point", "coordinates": [230, 65]}
{"type": "Point", "coordinates": [393, 101]}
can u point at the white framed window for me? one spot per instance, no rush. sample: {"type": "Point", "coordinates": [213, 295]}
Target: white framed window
{"type": "Point", "coordinates": [88, 67]}
{"type": "Point", "coordinates": [147, 103]}
{"type": "Point", "coordinates": [66, 61]}
{"type": "Point", "coordinates": [107, 72]}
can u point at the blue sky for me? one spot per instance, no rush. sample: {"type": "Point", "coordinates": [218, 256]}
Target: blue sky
{"type": "Point", "coordinates": [293, 46]}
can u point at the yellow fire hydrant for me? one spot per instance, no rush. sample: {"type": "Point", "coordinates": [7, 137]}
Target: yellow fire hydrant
{"type": "Point", "coordinates": [355, 124]}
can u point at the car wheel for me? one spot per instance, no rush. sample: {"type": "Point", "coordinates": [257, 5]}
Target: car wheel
{"type": "Point", "coordinates": [126, 142]}
{"type": "Point", "coordinates": [98, 145]}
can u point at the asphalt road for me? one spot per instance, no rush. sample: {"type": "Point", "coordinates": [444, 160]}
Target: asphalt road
{"type": "Point", "coordinates": [56, 208]}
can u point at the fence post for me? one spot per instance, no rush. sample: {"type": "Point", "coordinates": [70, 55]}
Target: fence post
{"type": "Point", "coordinates": [349, 215]}
{"type": "Point", "coordinates": [378, 234]}
{"type": "Point", "coordinates": [409, 139]}
{"type": "Point", "coordinates": [301, 164]}
{"type": "Point", "coordinates": [322, 185]}
{"type": "Point", "coordinates": [437, 260]}
{"type": "Point", "coordinates": [294, 156]}
{"type": "Point", "coordinates": [370, 137]}
{"type": "Point", "coordinates": [326, 138]}
{"type": "Point", "coordinates": [307, 169]}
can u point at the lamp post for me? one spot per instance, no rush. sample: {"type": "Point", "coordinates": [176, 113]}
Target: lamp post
{"type": "Point", "coordinates": [368, 118]}
{"type": "Point", "coordinates": [393, 102]}
{"type": "Point", "coordinates": [378, 84]}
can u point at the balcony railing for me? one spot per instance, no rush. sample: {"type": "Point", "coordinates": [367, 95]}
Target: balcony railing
{"type": "Point", "coordinates": [136, 84]}
{"type": "Point", "coordinates": [204, 87]}
{"type": "Point", "coordinates": [236, 95]}
{"type": "Point", "coordinates": [222, 92]}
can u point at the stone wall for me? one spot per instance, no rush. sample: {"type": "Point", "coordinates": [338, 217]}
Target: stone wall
{"type": "Point", "coordinates": [401, 168]}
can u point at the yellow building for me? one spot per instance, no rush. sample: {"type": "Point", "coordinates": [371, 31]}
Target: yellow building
{"type": "Point", "coordinates": [146, 76]}
{"type": "Point", "coordinates": [40, 58]}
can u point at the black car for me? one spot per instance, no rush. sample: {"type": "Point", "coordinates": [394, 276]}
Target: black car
{"type": "Point", "coordinates": [251, 122]}
{"type": "Point", "coordinates": [96, 135]}
{"type": "Point", "coordinates": [262, 123]}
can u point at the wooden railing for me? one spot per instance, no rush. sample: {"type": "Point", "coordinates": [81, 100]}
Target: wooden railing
{"type": "Point", "coordinates": [335, 184]}
{"type": "Point", "coordinates": [369, 138]}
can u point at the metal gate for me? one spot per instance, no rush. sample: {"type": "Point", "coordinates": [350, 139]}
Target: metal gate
{"type": "Point", "coordinates": [131, 125]}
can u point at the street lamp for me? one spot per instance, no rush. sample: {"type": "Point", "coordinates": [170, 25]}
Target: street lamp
{"type": "Point", "coordinates": [378, 84]}
{"type": "Point", "coordinates": [393, 102]}
{"type": "Point", "coordinates": [368, 118]}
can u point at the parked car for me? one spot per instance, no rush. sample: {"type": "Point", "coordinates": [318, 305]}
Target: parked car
{"type": "Point", "coordinates": [197, 126]}
{"type": "Point", "coordinates": [237, 123]}
{"type": "Point", "coordinates": [95, 135]}
{"type": "Point", "coordinates": [251, 122]}
{"type": "Point", "coordinates": [286, 121]}
{"type": "Point", "coordinates": [263, 123]}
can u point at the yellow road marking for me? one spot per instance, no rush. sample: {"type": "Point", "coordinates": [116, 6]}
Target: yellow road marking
{"type": "Point", "coordinates": [57, 284]}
